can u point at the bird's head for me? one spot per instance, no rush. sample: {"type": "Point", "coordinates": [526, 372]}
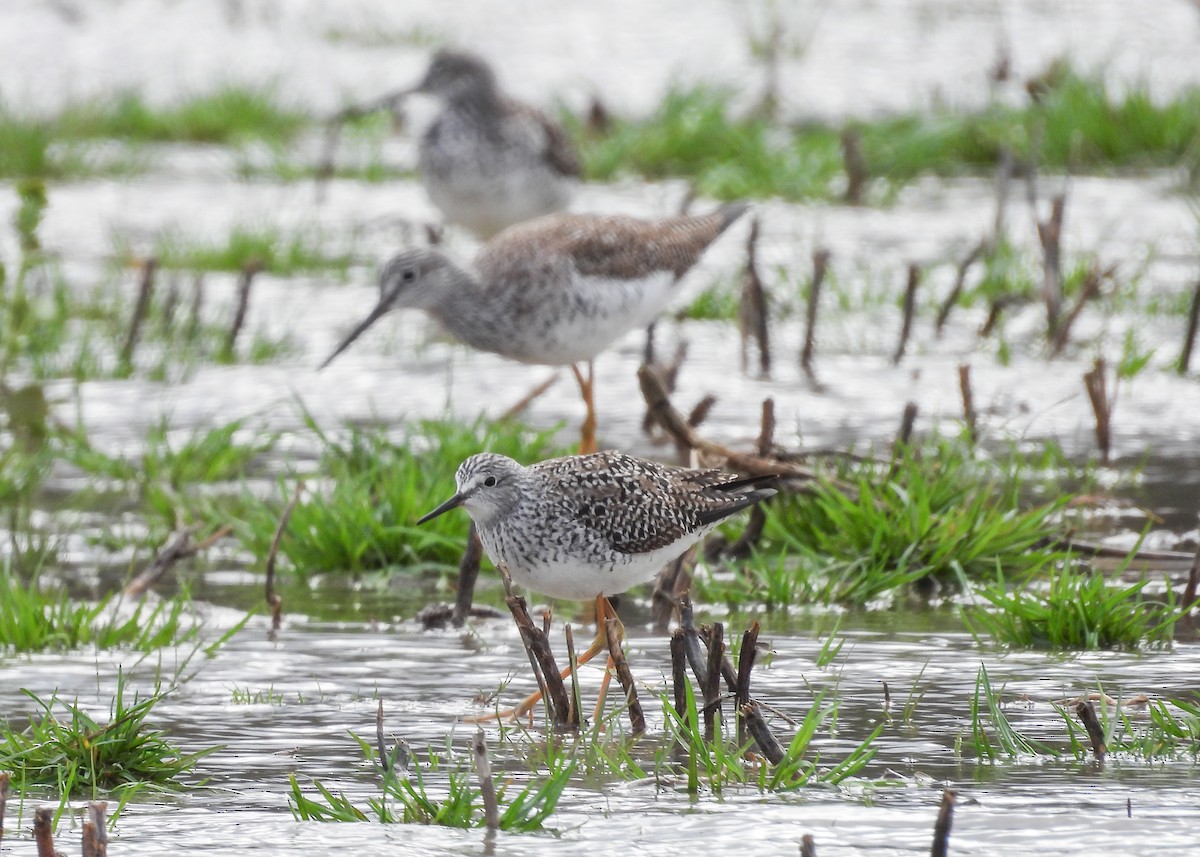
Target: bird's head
{"type": "Point", "coordinates": [456, 74]}
{"type": "Point", "coordinates": [414, 278]}
{"type": "Point", "coordinates": [489, 487]}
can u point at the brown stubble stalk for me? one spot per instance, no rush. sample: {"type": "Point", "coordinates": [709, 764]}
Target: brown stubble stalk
{"type": "Point", "coordinates": [753, 310]}
{"type": "Point", "coordinates": [140, 309]}
{"type": "Point", "coordinates": [1189, 336]}
{"type": "Point", "coordinates": [1096, 384]}
{"type": "Point", "coordinates": [620, 665]}
{"type": "Point", "coordinates": [274, 599]}
{"type": "Point", "coordinates": [960, 282]}
{"type": "Point", "coordinates": [910, 308]}
{"type": "Point", "coordinates": [249, 272]}
{"type": "Point", "coordinates": [820, 261]}
{"type": "Point", "coordinates": [941, 828]}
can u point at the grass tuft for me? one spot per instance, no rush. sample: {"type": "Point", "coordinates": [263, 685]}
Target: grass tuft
{"type": "Point", "coordinates": [940, 513]}
{"type": "Point", "coordinates": [65, 747]}
{"type": "Point", "coordinates": [1073, 611]}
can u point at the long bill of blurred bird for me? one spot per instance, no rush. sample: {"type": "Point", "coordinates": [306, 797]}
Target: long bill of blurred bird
{"type": "Point", "coordinates": [590, 526]}
{"type": "Point", "coordinates": [555, 291]}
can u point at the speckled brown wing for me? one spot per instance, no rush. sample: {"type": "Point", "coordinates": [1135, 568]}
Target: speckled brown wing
{"type": "Point", "coordinates": [560, 151]}
{"type": "Point", "coordinates": [638, 506]}
{"type": "Point", "coordinates": [613, 247]}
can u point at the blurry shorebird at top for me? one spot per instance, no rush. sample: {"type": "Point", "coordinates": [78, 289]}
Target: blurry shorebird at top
{"type": "Point", "coordinates": [487, 161]}
{"type": "Point", "coordinates": [555, 291]}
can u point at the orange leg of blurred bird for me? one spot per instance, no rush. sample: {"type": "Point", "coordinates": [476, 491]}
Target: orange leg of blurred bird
{"type": "Point", "coordinates": [600, 644]}
{"type": "Point", "coordinates": [587, 440]}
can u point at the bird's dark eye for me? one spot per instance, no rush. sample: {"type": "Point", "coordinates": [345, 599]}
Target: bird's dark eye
{"type": "Point", "coordinates": [489, 482]}
{"type": "Point", "coordinates": [409, 275]}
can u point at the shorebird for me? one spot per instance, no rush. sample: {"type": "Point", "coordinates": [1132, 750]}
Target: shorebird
{"type": "Point", "coordinates": [487, 161]}
{"type": "Point", "coordinates": [590, 526]}
{"type": "Point", "coordinates": [555, 291]}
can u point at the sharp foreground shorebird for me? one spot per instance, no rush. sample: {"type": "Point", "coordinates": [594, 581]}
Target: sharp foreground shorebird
{"type": "Point", "coordinates": [554, 291]}
{"type": "Point", "coordinates": [590, 526]}
{"type": "Point", "coordinates": [489, 162]}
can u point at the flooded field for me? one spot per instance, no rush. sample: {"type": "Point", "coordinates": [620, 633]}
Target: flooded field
{"type": "Point", "coordinates": [112, 443]}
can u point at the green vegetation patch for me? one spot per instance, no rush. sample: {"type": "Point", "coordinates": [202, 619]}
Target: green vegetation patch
{"type": "Point", "coordinates": [1075, 122]}
{"type": "Point", "coordinates": [264, 247]}
{"type": "Point", "coordinates": [941, 513]}
{"type": "Point", "coordinates": [1074, 611]}
{"type": "Point", "coordinates": [63, 145]}
{"type": "Point", "coordinates": [436, 791]}
{"type": "Point", "coordinates": [66, 748]}
{"type": "Point", "coordinates": [360, 510]}
{"type": "Point", "coordinates": [34, 618]}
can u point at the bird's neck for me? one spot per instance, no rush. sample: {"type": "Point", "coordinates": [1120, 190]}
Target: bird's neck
{"type": "Point", "coordinates": [464, 307]}
{"type": "Point", "coordinates": [482, 102]}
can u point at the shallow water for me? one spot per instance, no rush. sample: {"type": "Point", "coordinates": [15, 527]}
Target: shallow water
{"type": "Point", "coordinates": [865, 57]}
{"type": "Point", "coordinates": [328, 678]}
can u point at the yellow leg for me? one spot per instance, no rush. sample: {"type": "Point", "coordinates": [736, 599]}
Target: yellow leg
{"type": "Point", "coordinates": [587, 439]}
{"type": "Point", "coordinates": [600, 644]}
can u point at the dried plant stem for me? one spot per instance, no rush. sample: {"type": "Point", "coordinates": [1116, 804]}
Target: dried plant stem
{"type": "Point", "coordinates": [1050, 236]}
{"type": "Point", "coordinates": [274, 599]}
{"type": "Point", "coordinates": [179, 547]}
{"type": "Point", "coordinates": [573, 716]}
{"type": "Point", "coordinates": [97, 840]}
{"type": "Point", "coordinates": [487, 786]}
{"type": "Point", "coordinates": [1087, 291]}
{"type": "Point", "coordinates": [960, 282]}
{"type": "Point", "coordinates": [968, 400]}
{"type": "Point", "coordinates": [197, 309]}
{"type": "Point", "coordinates": [468, 573]}
{"type": "Point", "coordinates": [43, 831]}
{"type": "Point", "coordinates": [1096, 384]}
{"type": "Point", "coordinates": [679, 670]}
{"type": "Point", "coordinates": [140, 309]}
{"type": "Point", "coordinates": [1193, 582]}
{"type": "Point", "coordinates": [249, 272]}
{"type": "Point", "coordinates": [1004, 174]}
{"type": "Point", "coordinates": [741, 690]}
{"type": "Point", "coordinates": [756, 725]}
{"type": "Point", "coordinates": [1087, 716]}
{"type": "Point", "coordinates": [820, 259]}
{"type": "Point", "coordinates": [1189, 337]}
{"type": "Point", "coordinates": [5, 776]}
{"type": "Point", "coordinates": [637, 719]}
{"type": "Point", "coordinates": [753, 311]}
{"type": "Point", "coordinates": [941, 828]}
{"type": "Point", "coordinates": [855, 165]}
{"type": "Point", "coordinates": [910, 308]}
{"type": "Point", "coordinates": [659, 403]}
{"type": "Point", "coordinates": [712, 680]}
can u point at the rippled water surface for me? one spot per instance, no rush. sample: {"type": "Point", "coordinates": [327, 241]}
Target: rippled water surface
{"type": "Point", "coordinates": [342, 650]}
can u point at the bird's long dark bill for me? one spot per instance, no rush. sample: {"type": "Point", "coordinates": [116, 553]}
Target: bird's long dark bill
{"type": "Point", "coordinates": [453, 503]}
{"type": "Point", "coordinates": [380, 308]}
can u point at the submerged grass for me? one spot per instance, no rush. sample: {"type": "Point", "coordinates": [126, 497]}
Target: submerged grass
{"type": "Point", "coordinates": [720, 762]}
{"type": "Point", "coordinates": [409, 796]}
{"type": "Point", "coordinates": [361, 515]}
{"type": "Point", "coordinates": [66, 748]}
